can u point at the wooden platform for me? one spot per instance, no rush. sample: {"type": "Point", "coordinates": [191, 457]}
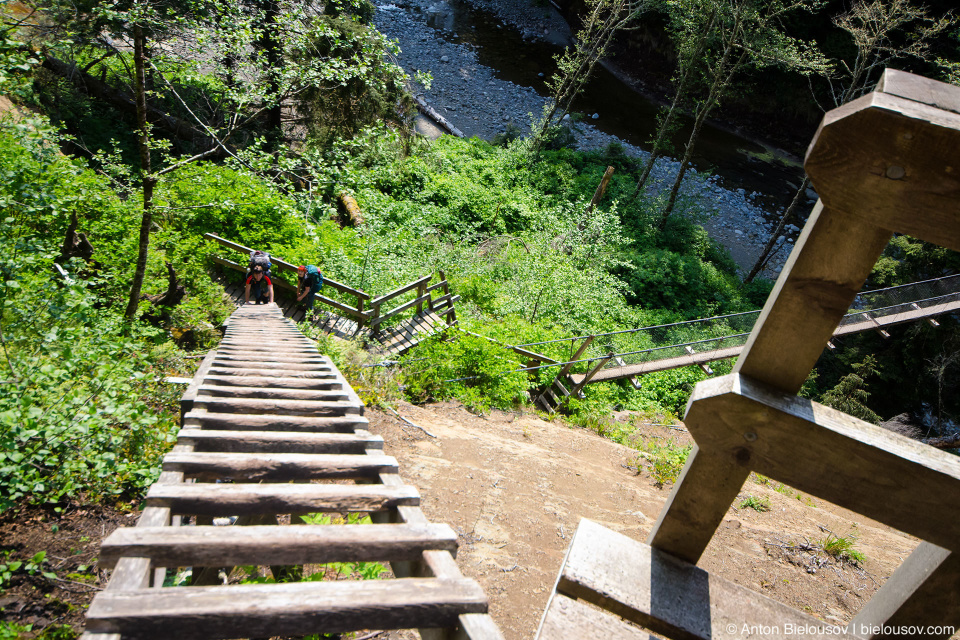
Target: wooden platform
{"type": "Point", "coordinates": [271, 432]}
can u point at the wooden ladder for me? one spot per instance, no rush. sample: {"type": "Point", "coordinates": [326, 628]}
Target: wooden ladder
{"type": "Point", "coordinates": [272, 431]}
{"type": "Point", "coordinates": [889, 161]}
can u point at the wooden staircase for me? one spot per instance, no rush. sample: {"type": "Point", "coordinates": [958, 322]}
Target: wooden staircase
{"type": "Point", "coordinates": [271, 432]}
{"type": "Point", "coordinates": [885, 162]}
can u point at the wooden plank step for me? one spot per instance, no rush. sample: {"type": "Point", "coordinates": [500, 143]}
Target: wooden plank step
{"type": "Point", "coordinates": [253, 499]}
{"type": "Point", "coordinates": [255, 370]}
{"type": "Point", "coordinates": [273, 392]}
{"type": "Point", "coordinates": [292, 609]}
{"type": "Point", "coordinates": [569, 619]}
{"type": "Point", "coordinates": [306, 424]}
{"type": "Point", "coordinates": [256, 467]}
{"type": "Point", "coordinates": [671, 597]}
{"type": "Point", "coordinates": [294, 346]}
{"type": "Point", "coordinates": [286, 351]}
{"type": "Point", "coordinates": [225, 441]}
{"type": "Point", "coordinates": [208, 546]}
{"type": "Point", "coordinates": [268, 381]}
{"type": "Point", "coordinates": [273, 358]}
{"type": "Point", "coordinates": [230, 363]}
{"type": "Point", "coordinates": [277, 407]}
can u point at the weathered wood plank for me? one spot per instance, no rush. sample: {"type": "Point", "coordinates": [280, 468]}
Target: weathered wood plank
{"type": "Point", "coordinates": [204, 613]}
{"type": "Point", "coordinates": [813, 448]}
{"type": "Point", "coordinates": [228, 441]}
{"type": "Point", "coordinates": [477, 626]}
{"type": "Point", "coordinates": [268, 381]}
{"type": "Point", "coordinates": [225, 358]}
{"type": "Point", "coordinates": [256, 371]}
{"type": "Point", "coordinates": [257, 467]}
{"type": "Point", "coordinates": [250, 499]}
{"type": "Point", "coordinates": [882, 159]}
{"type": "Point", "coordinates": [277, 406]}
{"type": "Point", "coordinates": [674, 598]}
{"type": "Point", "coordinates": [700, 498]}
{"type": "Point", "coordinates": [922, 592]}
{"type": "Point", "coordinates": [832, 259]}
{"type": "Point", "coordinates": [208, 546]}
{"type": "Point", "coordinates": [569, 619]}
{"type": "Point", "coordinates": [242, 422]}
{"type": "Point", "coordinates": [273, 392]}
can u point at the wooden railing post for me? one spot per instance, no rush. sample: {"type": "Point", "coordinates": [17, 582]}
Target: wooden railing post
{"type": "Point", "coordinates": [360, 316]}
{"type": "Point", "coordinates": [421, 291]}
{"type": "Point", "coordinates": [576, 390]}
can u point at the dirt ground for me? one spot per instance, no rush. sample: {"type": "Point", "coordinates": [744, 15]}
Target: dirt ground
{"type": "Point", "coordinates": [514, 487]}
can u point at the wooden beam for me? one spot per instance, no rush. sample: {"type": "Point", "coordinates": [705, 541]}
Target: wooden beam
{"type": "Point", "coordinates": [890, 158]}
{"type": "Point", "coordinates": [922, 593]}
{"type": "Point", "coordinates": [208, 546]}
{"type": "Point", "coordinates": [246, 422]}
{"type": "Point", "coordinates": [834, 255]}
{"type": "Point", "coordinates": [673, 598]}
{"type": "Point", "coordinates": [224, 391]}
{"type": "Point", "coordinates": [851, 463]}
{"type": "Point", "coordinates": [252, 499]}
{"type": "Point", "coordinates": [570, 619]}
{"type": "Point", "coordinates": [292, 609]}
{"type": "Point", "coordinates": [278, 407]}
{"type": "Point", "coordinates": [277, 441]}
{"type": "Point", "coordinates": [277, 467]}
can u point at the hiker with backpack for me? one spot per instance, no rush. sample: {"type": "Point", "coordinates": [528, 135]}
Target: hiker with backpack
{"type": "Point", "coordinates": [309, 283]}
{"type": "Point", "coordinates": [258, 283]}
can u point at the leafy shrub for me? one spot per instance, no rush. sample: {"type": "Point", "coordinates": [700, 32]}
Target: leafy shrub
{"type": "Point", "coordinates": [476, 371]}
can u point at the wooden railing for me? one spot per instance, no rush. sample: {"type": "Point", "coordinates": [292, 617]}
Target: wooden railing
{"type": "Point", "coordinates": [374, 314]}
{"type": "Point", "coordinates": [884, 163]}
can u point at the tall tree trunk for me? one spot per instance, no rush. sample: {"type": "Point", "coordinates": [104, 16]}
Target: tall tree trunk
{"type": "Point", "coordinates": [273, 50]}
{"type": "Point", "coordinates": [687, 154]}
{"type": "Point", "coordinates": [787, 215]}
{"type": "Point", "coordinates": [664, 130]}
{"type": "Point", "coordinates": [147, 176]}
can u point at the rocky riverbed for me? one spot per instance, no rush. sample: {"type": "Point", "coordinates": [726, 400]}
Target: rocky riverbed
{"type": "Point", "coordinates": [475, 100]}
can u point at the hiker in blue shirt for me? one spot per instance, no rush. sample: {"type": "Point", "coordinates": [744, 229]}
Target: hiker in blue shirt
{"type": "Point", "coordinates": [309, 283]}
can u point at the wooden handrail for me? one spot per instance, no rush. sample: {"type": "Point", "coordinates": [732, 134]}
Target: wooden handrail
{"type": "Point", "coordinates": [288, 266]}
{"type": "Point", "coordinates": [416, 301]}
{"type": "Point", "coordinates": [396, 292]}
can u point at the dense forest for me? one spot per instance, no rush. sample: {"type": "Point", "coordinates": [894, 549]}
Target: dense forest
{"type": "Point", "coordinates": [133, 127]}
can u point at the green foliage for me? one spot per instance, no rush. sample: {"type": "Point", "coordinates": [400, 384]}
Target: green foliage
{"type": "Point", "coordinates": [850, 395]}
{"type": "Point", "coordinates": [756, 503]}
{"type": "Point", "coordinates": [31, 567]}
{"type": "Point", "coordinates": [478, 372]}
{"type": "Point", "coordinates": [668, 460]}
{"type": "Point", "coordinates": [14, 631]}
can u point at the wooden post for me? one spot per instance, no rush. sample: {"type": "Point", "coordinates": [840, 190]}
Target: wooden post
{"type": "Point", "coordinates": [601, 189]}
{"type": "Point", "coordinates": [590, 374]}
{"type": "Point", "coordinates": [421, 291]}
{"type": "Point", "coordinates": [360, 316]}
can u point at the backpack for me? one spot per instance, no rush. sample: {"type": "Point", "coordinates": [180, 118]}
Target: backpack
{"type": "Point", "coordinates": [260, 258]}
{"type": "Point", "coordinates": [315, 277]}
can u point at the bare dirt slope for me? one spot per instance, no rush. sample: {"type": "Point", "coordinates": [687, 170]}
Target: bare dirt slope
{"type": "Point", "coordinates": [514, 487]}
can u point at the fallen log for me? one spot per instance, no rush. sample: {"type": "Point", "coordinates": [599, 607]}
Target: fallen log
{"type": "Point", "coordinates": [354, 215]}
{"type": "Point", "coordinates": [944, 442]}
{"type": "Point", "coordinates": [431, 113]}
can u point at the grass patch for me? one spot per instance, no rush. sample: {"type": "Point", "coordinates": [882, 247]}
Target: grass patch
{"type": "Point", "coordinates": [756, 503]}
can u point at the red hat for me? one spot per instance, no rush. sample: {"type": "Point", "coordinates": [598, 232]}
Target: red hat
{"type": "Point", "coordinates": [302, 270]}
